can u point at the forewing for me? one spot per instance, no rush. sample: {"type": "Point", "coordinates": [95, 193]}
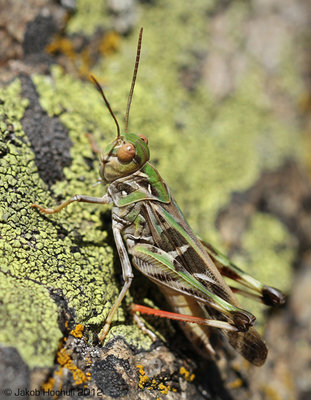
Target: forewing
{"type": "Point", "coordinates": [249, 344]}
{"type": "Point", "coordinates": [173, 235]}
{"type": "Point", "coordinates": [163, 268]}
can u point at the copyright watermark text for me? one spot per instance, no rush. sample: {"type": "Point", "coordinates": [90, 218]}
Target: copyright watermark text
{"type": "Point", "coordinates": [25, 392]}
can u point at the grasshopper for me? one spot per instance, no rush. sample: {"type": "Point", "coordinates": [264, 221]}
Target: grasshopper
{"type": "Point", "coordinates": [149, 227]}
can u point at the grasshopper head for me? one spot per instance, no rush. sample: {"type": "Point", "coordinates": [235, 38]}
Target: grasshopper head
{"type": "Point", "coordinates": [129, 152]}
{"type": "Point", "coordinates": [124, 156]}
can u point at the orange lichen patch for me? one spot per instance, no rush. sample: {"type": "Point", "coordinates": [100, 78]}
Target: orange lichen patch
{"type": "Point", "coordinates": [109, 43]}
{"type": "Point", "coordinates": [146, 383]}
{"type": "Point", "coordinates": [143, 382]}
{"type": "Point", "coordinates": [62, 357]}
{"type": "Point", "coordinates": [141, 369]}
{"type": "Point", "coordinates": [80, 60]}
{"type": "Point", "coordinates": [237, 383]}
{"type": "Point", "coordinates": [49, 385]}
{"type": "Point", "coordinates": [186, 374]}
{"type": "Point", "coordinates": [271, 393]}
{"type": "Point", "coordinates": [163, 388]}
{"type": "Point", "coordinates": [53, 382]}
{"type": "Point", "coordinates": [62, 45]}
{"type": "Point", "coordinates": [143, 379]}
{"type": "Point", "coordinates": [85, 62]}
{"type": "Point", "coordinates": [88, 362]}
{"type": "Point", "coordinates": [79, 57]}
{"type": "Point", "coordinates": [65, 361]}
{"type": "Point", "coordinates": [77, 331]}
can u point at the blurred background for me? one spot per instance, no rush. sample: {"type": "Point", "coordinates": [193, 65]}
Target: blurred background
{"type": "Point", "coordinates": [223, 94]}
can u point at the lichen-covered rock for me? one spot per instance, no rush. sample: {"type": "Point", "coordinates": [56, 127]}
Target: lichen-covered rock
{"type": "Point", "coordinates": [220, 96]}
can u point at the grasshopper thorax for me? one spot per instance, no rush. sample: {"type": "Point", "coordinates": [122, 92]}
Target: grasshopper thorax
{"type": "Point", "coordinates": [124, 156]}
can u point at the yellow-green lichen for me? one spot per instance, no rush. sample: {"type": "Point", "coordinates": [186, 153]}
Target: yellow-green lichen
{"type": "Point", "coordinates": [204, 149]}
{"type": "Point", "coordinates": [83, 112]}
{"type": "Point", "coordinates": [268, 251]}
{"type": "Point", "coordinates": [28, 313]}
{"type": "Point", "coordinates": [61, 256]}
{"type": "Point", "coordinates": [215, 147]}
{"type": "Point", "coordinates": [89, 16]}
{"type": "Point", "coordinates": [28, 319]}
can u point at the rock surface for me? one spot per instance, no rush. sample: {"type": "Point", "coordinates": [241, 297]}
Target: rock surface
{"type": "Point", "coordinates": [223, 94]}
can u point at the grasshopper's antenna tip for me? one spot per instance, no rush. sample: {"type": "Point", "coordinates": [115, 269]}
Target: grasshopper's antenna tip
{"type": "Point", "coordinates": [129, 101]}
{"type": "Point", "coordinates": [99, 88]}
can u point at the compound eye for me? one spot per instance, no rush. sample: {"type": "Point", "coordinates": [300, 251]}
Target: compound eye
{"type": "Point", "coordinates": [126, 153]}
{"type": "Point", "coordinates": [144, 138]}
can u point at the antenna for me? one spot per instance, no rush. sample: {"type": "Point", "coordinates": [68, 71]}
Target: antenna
{"type": "Point", "coordinates": [107, 103]}
{"type": "Point", "coordinates": [129, 101]}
